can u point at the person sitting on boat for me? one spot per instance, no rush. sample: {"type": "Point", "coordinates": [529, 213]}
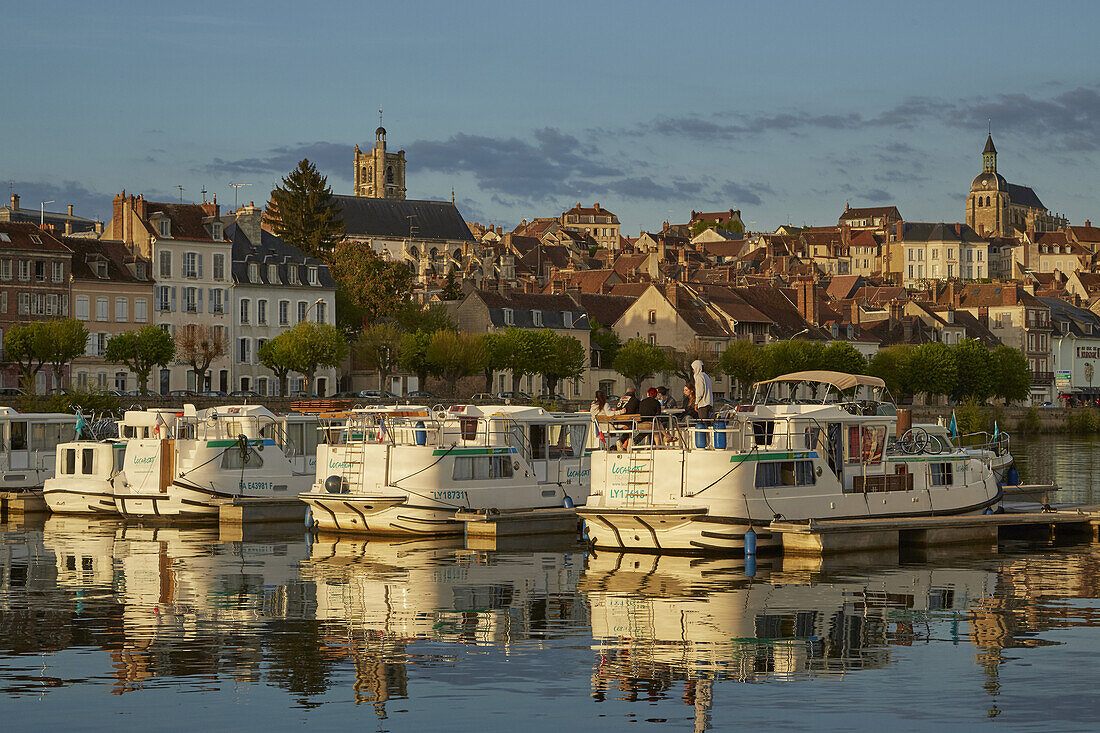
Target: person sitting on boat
{"type": "Point", "coordinates": [648, 409]}
{"type": "Point", "coordinates": [668, 402]}
{"type": "Point", "coordinates": [599, 405]}
{"type": "Point", "coordinates": [689, 402]}
{"type": "Point", "coordinates": [704, 398]}
{"type": "Point", "coordinates": [628, 405]}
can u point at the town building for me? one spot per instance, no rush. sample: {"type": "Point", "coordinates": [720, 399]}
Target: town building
{"type": "Point", "coordinates": [379, 174]}
{"type": "Point", "coordinates": [996, 207]}
{"type": "Point", "coordinates": [923, 251]}
{"type": "Point", "coordinates": [597, 222]}
{"type": "Point", "coordinates": [57, 223]}
{"type": "Point", "coordinates": [879, 219]}
{"type": "Point", "coordinates": [275, 287]}
{"type": "Point", "coordinates": [111, 292]}
{"type": "Point", "coordinates": [1074, 350]}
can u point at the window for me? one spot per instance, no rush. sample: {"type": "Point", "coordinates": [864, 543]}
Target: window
{"type": "Point", "coordinates": [163, 298]}
{"type": "Point", "coordinates": [940, 474]}
{"type": "Point", "coordinates": [190, 265]}
{"type": "Point", "coordinates": [303, 307]}
{"type": "Point", "coordinates": [261, 311]}
{"type": "Point", "coordinates": [165, 265]}
{"type": "Point", "coordinates": [219, 267]}
{"type": "Point", "coordinates": [653, 316]}
{"type": "Point", "coordinates": [244, 351]}
{"type": "Point", "coordinates": [101, 309]}
{"type": "Point", "coordinates": [139, 270]}
{"type": "Point", "coordinates": [481, 468]}
{"type": "Point", "coordinates": [567, 319]}
{"type": "Point", "coordinates": [82, 307]}
{"type": "Point", "coordinates": [4, 302]}
{"type": "Point", "coordinates": [40, 271]}
{"type": "Point", "coordinates": [235, 460]}
{"type": "Point", "coordinates": [216, 230]}
{"type": "Point", "coordinates": [246, 307]}
{"type": "Point", "coordinates": [120, 381]}
{"type": "Point", "coordinates": [770, 474]}
{"type": "Point", "coordinates": [273, 274]}
{"type": "Point", "coordinates": [253, 273]}
{"type": "Point", "coordinates": [24, 270]}
{"type": "Point", "coordinates": [865, 444]}
{"type": "Point", "coordinates": [509, 317]}
{"type": "Point", "coordinates": [52, 303]}
{"type": "Point", "coordinates": [5, 269]}
{"type": "Point", "coordinates": [190, 300]}
{"type": "Point", "coordinates": [311, 273]}
{"type": "Point", "coordinates": [100, 269]}
{"type": "Point", "coordinates": [217, 304]}
{"type": "Point", "coordinates": [121, 310]}
{"type": "Point", "coordinates": [321, 312]}
{"type": "Point", "coordinates": [536, 318]}
{"type": "Point", "coordinates": [59, 271]}
{"type": "Point", "coordinates": [165, 228]}
{"type": "Point", "coordinates": [292, 275]}
{"type": "Point", "coordinates": [652, 339]}
{"type": "Point", "coordinates": [284, 312]}
{"type": "Point", "coordinates": [141, 310]}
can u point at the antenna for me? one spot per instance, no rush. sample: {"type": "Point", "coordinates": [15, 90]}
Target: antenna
{"type": "Point", "coordinates": [181, 193]}
{"type": "Point", "coordinates": [236, 189]}
{"type": "Point", "coordinates": [379, 116]}
{"type": "Point", "coordinates": [203, 193]}
{"type": "Point", "coordinates": [11, 189]}
{"type": "Point", "coordinates": [990, 121]}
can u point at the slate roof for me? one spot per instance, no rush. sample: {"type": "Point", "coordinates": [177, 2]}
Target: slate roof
{"type": "Point", "coordinates": [370, 217]}
{"type": "Point", "coordinates": [273, 251]}
{"type": "Point", "coordinates": [1024, 196]}
{"type": "Point", "coordinates": [523, 306]}
{"type": "Point", "coordinates": [606, 309]}
{"type": "Point", "coordinates": [116, 254]}
{"type": "Point", "coordinates": [870, 212]}
{"type": "Point", "coordinates": [1077, 318]}
{"type": "Point", "coordinates": [914, 231]}
{"type": "Point", "coordinates": [186, 220]}
{"type": "Point", "coordinates": [20, 234]}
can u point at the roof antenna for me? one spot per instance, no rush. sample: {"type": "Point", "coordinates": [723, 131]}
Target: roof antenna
{"type": "Point", "coordinates": [181, 193]}
{"type": "Point", "coordinates": [203, 192]}
{"type": "Point", "coordinates": [236, 190]}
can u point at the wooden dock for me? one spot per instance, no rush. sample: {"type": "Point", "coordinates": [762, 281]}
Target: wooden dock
{"type": "Point", "coordinates": [860, 535]}
{"type": "Point", "coordinates": [262, 510]}
{"type": "Point", "coordinates": [17, 503]}
{"type": "Point", "coordinates": [519, 523]}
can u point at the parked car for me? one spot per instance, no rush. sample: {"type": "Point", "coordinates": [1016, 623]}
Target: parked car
{"type": "Point", "coordinates": [182, 393]}
{"type": "Point", "coordinates": [11, 392]}
{"type": "Point", "coordinates": [213, 393]}
{"type": "Point", "coordinates": [484, 397]}
{"type": "Point", "coordinates": [516, 396]}
{"type": "Point", "coordinates": [375, 394]}
{"type": "Point", "coordinates": [303, 395]}
{"type": "Point", "coordinates": [422, 394]}
{"type": "Point", "coordinates": [345, 396]}
{"type": "Point", "coordinates": [244, 393]}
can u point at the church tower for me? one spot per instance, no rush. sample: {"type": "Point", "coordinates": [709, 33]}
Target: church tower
{"type": "Point", "coordinates": [987, 204]}
{"type": "Point", "coordinates": [378, 174]}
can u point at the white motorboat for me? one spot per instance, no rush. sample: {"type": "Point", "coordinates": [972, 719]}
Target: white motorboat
{"type": "Point", "coordinates": [185, 466]}
{"type": "Point", "coordinates": [83, 481]}
{"type": "Point", "coordinates": [995, 448]}
{"type": "Point", "coordinates": [409, 470]}
{"type": "Point", "coordinates": [28, 443]}
{"type": "Point", "coordinates": [811, 446]}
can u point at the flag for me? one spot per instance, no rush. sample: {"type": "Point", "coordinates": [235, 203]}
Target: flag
{"type": "Point", "coordinates": [80, 425]}
{"type": "Point", "coordinates": [156, 426]}
{"type": "Point", "coordinates": [599, 433]}
{"type": "Point", "coordinates": [996, 431]}
{"type": "Point", "coordinates": [953, 427]}
{"type": "Point", "coordinates": [381, 429]}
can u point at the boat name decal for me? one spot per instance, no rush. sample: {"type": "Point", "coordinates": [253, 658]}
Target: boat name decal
{"type": "Point", "coordinates": [577, 473]}
{"type": "Point", "coordinates": [449, 495]}
{"type": "Point", "coordinates": [625, 469]}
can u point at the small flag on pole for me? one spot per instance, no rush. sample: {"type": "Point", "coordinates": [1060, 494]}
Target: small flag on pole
{"type": "Point", "coordinates": [381, 429]}
{"type": "Point", "coordinates": [996, 431]}
{"type": "Point", "coordinates": [599, 433]}
{"type": "Point", "coordinates": [953, 427]}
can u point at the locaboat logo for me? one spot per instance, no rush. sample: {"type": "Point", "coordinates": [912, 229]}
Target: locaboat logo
{"type": "Point", "coordinates": [625, 469]}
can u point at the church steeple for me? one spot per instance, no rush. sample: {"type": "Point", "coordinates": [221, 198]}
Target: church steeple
{"type": "Point", "coordinates": [989, 156]}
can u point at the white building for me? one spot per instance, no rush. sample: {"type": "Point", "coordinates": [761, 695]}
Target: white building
{"type": "Point", "coordinates": [927, 251]}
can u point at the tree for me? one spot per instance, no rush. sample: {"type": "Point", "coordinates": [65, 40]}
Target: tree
{"type": "Point", "coordinates": [27, 347]}
{"type": "Point", "coordinates": [678, 362]}
{"type": "Point", "coordinates": [276, 354]}
{"type": "Point", "coordinates": [741, 361]}
{"type": "Point", "coordinates": [841, 356]}
{"type": "Point", "coordinates": [414, 355]}
{"type": "Point", "coordinates": [704, 224]}
{"type": "Point", "coordinates": [563, 358]}
{"type": "Point", "coordinates": [974, 371]}
{"type": "Point", "coordinates": [66, 339]}
{"type": "Point", "coordinates": [379, 348]}
{"type": "Point", "coordinates": [523, 353]}
{"type": "Point", "coordinates": [303, 212]}
{"type": "Point", "coordinates": [639, 361]}
{"type": "Point", "coordinates": [931, 369]}
{"type": "Point", "coordinates": [451, 289]}
{"type": "Point", "coordinates": [198, 346]}
{"type": "Point", "coordinates": [497, 357]}
{"type": "Point", "coordinates": [412, 316]}
{"type": "Point", "coordinates": [792, 355]}
{"type": "Point", "coordinates": [608, 343]}
{"type": "Point", "coordinates": [1012, 377]}
{"type": "Point", "coordinates": [140, 351]}
{"type": "Point", "coordinates": [314, 346]}
{"type": "Point", "coordinates": [452, 356]}
{"type": "Point", "coordinates": [891, 365]}
{"type": "Point", "coordinates": [373, 285]}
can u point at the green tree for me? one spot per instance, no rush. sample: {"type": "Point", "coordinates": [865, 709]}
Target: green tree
{"type": "Point", "coordinates": [639, 361]}
{"type": "Point", "coordinates": [276, 354]}
{"type": "Point", "coordinates": [414, 355]}
{"type": "Point", "coordinates": [974, 371]}
{"type": "Point", "coordinates": [891, 365]}
{"type": "Point", "coordinates": [704, 224]}
{"type": "Point", "coordinates": [741, 361]}
{"type": "Point", "coordinates": [28, 347]}
{"type": "Point", "coordinates": [303, 212]}
{"type": "Point", "coordinates": [379, 349]}
{"type": "Point", "coordinates": [1012, 377]}
{"type": "Point", "coordinates": [841, 356]}
{"type": "Point", "coordinates": [140, 351]}
{"type": "Point", "coordinates": [497, 356]}
{"type": "Point", "coordinates": [678, 363]}
{"type": "Point", "coordinates": [67, 339]}
{"type": "Point", "coordinates": [608, 342]}
{"type": "Point", "coordinates": [792, 355]}
{"type": "Point", "coordinates": [931, 369]}
{"type": "Point", "coordinates": [451, 289]}
{"type": "Point", "coordinates": [412, 316]}
{"type": "Point", "coordinates": [315, 346]}
{"type": "Point", "coordinates": [198, 346]}
{"type": "Point", "coordinates": [372, 285]}
{"type": "Point", "coordinates": [523, 356]}
{"type": "Point", "coordinates": [452, 356]}
{"type": "Point", "coordinates": [562, 358]}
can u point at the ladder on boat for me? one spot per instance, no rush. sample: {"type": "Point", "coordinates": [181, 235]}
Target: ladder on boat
{"type": "Point", "coordinates": [639, 478]}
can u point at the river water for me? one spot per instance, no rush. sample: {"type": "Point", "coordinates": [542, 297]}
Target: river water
{"type": "Point", "coordinates": [108, 626]}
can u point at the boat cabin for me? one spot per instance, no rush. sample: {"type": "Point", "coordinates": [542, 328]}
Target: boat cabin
{"type": "Point", "coordinates": [28, 444]}
{"type": "Point", "coordinates": [85, 459]}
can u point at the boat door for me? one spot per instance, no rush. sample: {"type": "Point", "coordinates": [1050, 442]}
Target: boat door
{"type": "Point", "coordinates": [17, 445]}
{"type": "Point", "coordinates": [835, 455]}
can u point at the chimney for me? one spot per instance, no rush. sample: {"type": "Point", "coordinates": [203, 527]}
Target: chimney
{"type": "Point", "coordinates": [806, 296]}
{"type": "Point", "coordinates": [846, 235]}
{"type": "Point", "coordinates": [952, 296]}
{"type": "Point", "coordinates": [596, 206]}
{"type": "Point", "coordinates": [983, 316]}
{"type": "Point", "coordinates": [907, 330]}
{"type": "Point", "coordinates": [211, 208]}
{"type": "Point", "coordinates": [15, 201]}
{"type": "Point", "coordinates": [958, 229]}
{"type": "Point", "coordinates": [70, 209]}
{"type": "Point", "coordinates": [1088, 223]}
{"type": "Point", "coordinates": [899, 230]}
{"type": "Point", "coordinates": [855, 312]}
{"type": "Point", "coordinates": [69, 224]}
{"type": "Point", "coordinates": [670, 292]}
{"type": "Point", "coordinates": [894, 312]}
{"type": "Point", "coordinates": [99, 228]}
{"type": "Point", "coordinates": [248, 221]}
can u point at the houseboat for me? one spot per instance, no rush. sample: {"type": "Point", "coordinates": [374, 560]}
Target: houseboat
{"type": "Point", "coordinates": [811, 446]}
{"type": "Point", "coordinates": [28, 444]}
{"type": "Point", "coordinates": [409, 470]}
{"type": "Point", "coordinates": [185, 466]}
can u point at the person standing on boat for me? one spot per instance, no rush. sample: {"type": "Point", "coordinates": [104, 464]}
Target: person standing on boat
{"type": "Point", "coordinates": [704, 399]}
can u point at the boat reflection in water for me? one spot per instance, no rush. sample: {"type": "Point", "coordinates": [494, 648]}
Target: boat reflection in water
{"type": "Point", "coordinates": [659, 620]}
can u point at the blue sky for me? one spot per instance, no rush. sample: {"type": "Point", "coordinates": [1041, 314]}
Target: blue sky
{"type": "Point", "coordinates": [784, 110]}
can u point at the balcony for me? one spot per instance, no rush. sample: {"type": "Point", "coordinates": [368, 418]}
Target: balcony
{"type": "Point", "coordinates": [1044, 378]}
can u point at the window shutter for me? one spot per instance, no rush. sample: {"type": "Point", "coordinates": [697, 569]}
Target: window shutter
{"type": "Point", "coordinates": [199, 257]}
{"type": "Point", "coordinates": [198, 294]}
{"type": "Point", "coordinates": [173, 307]}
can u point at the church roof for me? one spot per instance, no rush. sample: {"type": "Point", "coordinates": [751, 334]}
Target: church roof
{"type": "Point", "coordinates": [371, 217]}
{"type": "Point", "coordinates": [989, 146]}
{"type": "Point", "coordinates": [1024, 196]}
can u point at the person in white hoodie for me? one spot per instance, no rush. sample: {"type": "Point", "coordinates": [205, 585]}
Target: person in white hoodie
{"type": "Point", "coordinates": [704, 398]}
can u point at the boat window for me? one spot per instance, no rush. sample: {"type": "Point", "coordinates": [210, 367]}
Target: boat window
{"type": "Point", "coordinates": [784, 473]}
{"type": "Point", "coordinates": [940, 474]}
{"type": "Point", "coordinates": [481, 468]}
{"type": "Point", "coordinates": [763, 431]}
{"type": "Point", "coordinates": [295, 437]}
{"type": "Point", "coordinates": [233, 459]}
{"type": "Point", "coordinates": [865, 443]}
{"type": "Point", "coordinates": [18, 436]}
{"type": "Point", "coordinates": [566, 441]}
{"type": "Point", "coordinates": [538, 442]}
{"type": "Point", "coordinates": [87, 461]}
{"type": "Point", "coordinates": [70, 462]}
{"type": "Point", "coordinates": [119, 457]}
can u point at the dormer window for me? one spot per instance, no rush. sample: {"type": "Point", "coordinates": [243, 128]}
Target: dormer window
{"type": "Point", "coordinates": [139, 271]}
{"type": "Point", "coordinates": [216, 230]}
{"type": "Point", "coordinates": [567, 319]}
{"type": "Point", "coordinates": [164, 226]}
{"type": "Point", "coordinates": [536, 318]}
{"type": "Point", "coordinates": [273, 274]}
{"type": "Point", "coordinates": [311, 273]}
{"type": "Point", "coordinates": [509, 317]}
{"type": "Point", "coordinates": [253, 273]}
{"type": "Point", "coordinates": [101, 268]}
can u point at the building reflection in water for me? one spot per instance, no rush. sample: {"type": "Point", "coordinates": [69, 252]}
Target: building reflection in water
{"type": "Point", "coordinates": [188, 609]}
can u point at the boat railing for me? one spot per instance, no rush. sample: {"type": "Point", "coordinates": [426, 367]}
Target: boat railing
{"type": "Point", "coordinates": [422, 429]}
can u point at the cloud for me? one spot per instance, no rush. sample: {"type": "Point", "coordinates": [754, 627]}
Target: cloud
{"type": "Point", "coordinates": [328, 157]}
{"type": "Point", "coordinates": [86, 203]}
{"type": "Point", "coordinates": [1071, 118]}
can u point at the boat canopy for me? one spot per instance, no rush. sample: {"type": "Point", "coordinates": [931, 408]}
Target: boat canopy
{"type": "Point", "coordinates": [840, 380]}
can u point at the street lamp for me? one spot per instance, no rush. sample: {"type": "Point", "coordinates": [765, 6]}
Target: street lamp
{"type": "Point", "coordinates": [805, 330]}
{"type": "Point", "coordinates": [315, 304]}
{"type": "Point", "coordinates": [42, 213]}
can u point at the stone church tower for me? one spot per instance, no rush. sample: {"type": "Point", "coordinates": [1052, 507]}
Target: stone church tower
{"type": "Point", "coordinates": [988, 202]}
{"type": "Point", "coordinates": [378, 174]}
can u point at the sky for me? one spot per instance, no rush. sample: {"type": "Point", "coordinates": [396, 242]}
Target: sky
{"type": "Point", "coordinates": [786, 111]}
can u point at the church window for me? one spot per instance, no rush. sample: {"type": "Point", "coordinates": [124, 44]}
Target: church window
{"type": "Point", "coordinates": [987, 201]}
{"type": "Point", "coordinates": [979, 202]}
{"type": "Point", "coordinates": [370, 175]}
{"type": "Point", "coordinates": [389, 175]}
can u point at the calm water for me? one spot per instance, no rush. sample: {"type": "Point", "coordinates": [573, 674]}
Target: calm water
{"type": "Point", "coordinates": [105, 626]}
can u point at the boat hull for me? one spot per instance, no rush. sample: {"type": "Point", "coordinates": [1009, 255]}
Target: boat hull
{"type": "Point", "coordinates": [178, 502]}
{"type": "Point", "coordinates": [380, 515]}
{"type": "Point", "coordinates": [84, 497]}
